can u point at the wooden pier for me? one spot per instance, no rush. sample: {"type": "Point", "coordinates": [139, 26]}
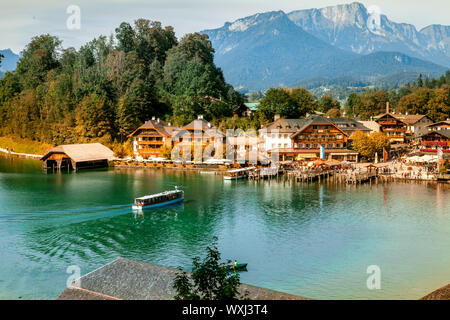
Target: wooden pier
{"type": "Point", "coordinates": [309, 176]}
{"type": "Point", "coordinates": [264, 173]}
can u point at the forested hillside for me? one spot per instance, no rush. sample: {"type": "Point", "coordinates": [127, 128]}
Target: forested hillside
{"type": "Point", "coordinates": [108, 87]}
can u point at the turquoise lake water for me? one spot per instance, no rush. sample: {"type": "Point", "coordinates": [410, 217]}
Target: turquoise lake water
{"type": "Point", "coordinates": [314, 240]}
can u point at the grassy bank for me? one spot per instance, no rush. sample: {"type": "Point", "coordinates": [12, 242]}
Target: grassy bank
{"type": "Point", "coordinates": [24, 145]}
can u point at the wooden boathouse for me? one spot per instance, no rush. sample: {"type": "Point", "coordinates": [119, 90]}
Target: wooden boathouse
{"type": "Point", "coordinates": [77, 156]}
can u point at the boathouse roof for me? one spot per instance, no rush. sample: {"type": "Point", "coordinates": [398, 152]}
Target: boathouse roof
{"type": "Point", "coordinates": [131, 280]}
{"type": "Point", "coordinates": [82, 152]}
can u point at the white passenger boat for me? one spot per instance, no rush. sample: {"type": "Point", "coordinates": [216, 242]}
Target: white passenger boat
{"type": "Point", "coordinates": [162, 199]}
{"type": "Point", "coordinates": [237, 174]}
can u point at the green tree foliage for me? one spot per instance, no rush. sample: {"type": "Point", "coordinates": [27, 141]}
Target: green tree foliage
{"type": "Point", "coordinates": [327, 103]}
{"type": "Point", "coordinates": [111, 85]}
{"type": "Point", "coordinates": [93, 118]}
{"type": "Point", "coordinates": [39, 57]}
{"type": "Point", "coordinates": [287, 103]}
{"type": "Point", "coordinates": [421, 97]}
{"type": "Point", "coordinates": [208, 280]}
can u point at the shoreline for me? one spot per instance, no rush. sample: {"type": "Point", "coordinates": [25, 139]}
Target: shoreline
{"type": "Point", "coordinates": [218, 170]}
{"type": "Point", "coordinates": [20, 155]}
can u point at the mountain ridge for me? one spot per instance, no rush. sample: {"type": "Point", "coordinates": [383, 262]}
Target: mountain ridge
{"type": "Point", "coordinates": [343, 28]}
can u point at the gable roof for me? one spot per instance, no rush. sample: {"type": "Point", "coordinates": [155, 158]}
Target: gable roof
{"type": "Point", "coordinates": [316, 120]}
{"type": "Point", "coordinates": [202, 124]}
{"type": "Point", "coordinates": [447, 122]}
{"type": "Point", "coordinates": [347, 124]}
{"type": "Point", "coordinates": [253, 106]}
{"type": "Point", "coordinates": [286, 125]}
{"type": "Point", "coordinates": [83, 152]}
{"type": "Point", "coordinates": [162, 127]}
{"type": "Point", "coordinates": [412, 118]}
{"type": "Point", "coordinates": [444, 133]}
{"type": "Point", "coordinates": [390, 115]}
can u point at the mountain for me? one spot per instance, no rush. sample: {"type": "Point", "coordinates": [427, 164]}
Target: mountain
{"type": "Point", "coordinates": [346, 27]}
{"type": "Point", "coordinates": [268, 49]}
{"type": "Point", "coordinates": [379, 65]}
{"type": "Point", "coordinates": [9, 61]}
{"type": "Point", "coordinates": [275, 48]}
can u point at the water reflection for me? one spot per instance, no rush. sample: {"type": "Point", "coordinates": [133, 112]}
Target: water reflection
{"type": "Point", "coordinates": [309, 239]}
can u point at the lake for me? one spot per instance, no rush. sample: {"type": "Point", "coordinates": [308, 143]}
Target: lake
{"type": "Point", "coordinates": [314, 240]}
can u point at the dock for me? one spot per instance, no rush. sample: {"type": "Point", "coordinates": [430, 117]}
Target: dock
{"type": "Point", "coordinates": [263, 173]}
{"type": "Point", "coordinates": [20, 155]}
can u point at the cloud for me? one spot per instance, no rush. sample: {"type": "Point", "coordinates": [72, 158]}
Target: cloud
{"type": "Point", "coordinates": [20, 20]}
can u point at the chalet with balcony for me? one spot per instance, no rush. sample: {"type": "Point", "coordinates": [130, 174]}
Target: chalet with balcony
{"type": "Point", "coordinates": [318, 132]}
{"type": "Point", "coordinates": [149, 138]}
{"type": "Point", "coordinates": [433, 140]}
{"type": "Point", "coordinates": [439, 126]}
{"type": "Point", "coordinates": [393, 127]}
{"type": "Point", "coordinates": [301, 139]}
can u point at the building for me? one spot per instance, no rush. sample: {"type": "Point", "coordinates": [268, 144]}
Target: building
{"type": "Point", "coordinates": [77, 156]}
{"type": "Point", "coordinates": [439, 126]}
{"type": "Point", "coordinates": [199, 133]}
{"type": "Point", "coordinates": [393, 127]}
{"type": "Point", "coordinates": [416, 124]}
{"type": "Point", "coordinates": [319, 132]}
{"type": "Point", "coordinates": [295, 139]}
{"type": "Point", "coordinates": [149, 138]}
{"type": "Point", "coordinates": [431, 141]}
{"type": "Point", "coordinates": [247, 109]}
{"type": "Point", "coordinates": [373, 126]}
{"type": "Point", "coordinates": [277, 135]}
{"type": "Point", "coordinates": [350, 126]}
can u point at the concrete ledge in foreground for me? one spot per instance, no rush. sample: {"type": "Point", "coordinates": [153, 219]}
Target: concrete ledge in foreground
{"type": "Point", "coordinates": [125, 279]}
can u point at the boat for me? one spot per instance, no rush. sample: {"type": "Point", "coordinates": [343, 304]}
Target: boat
{"type": "Point", "coordinates": [237, 174]}
{"type": "Point", "coordinates": [162, 199]}
{"type": "Point", "coordinates": [240, 267]}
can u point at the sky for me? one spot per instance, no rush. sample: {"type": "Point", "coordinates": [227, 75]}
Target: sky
{"type": "Point", "coordinates": [20, 20]}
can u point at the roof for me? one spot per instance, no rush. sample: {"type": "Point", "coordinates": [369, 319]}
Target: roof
{"type": "Point", "coordinates": [162, 127]}
{"type": "Point", "coordinates": [83, 152]}
{"type": "Point", "coordinates": [133, 280]}
{"type": "Point", "coordinates": [412, 118]}
{"type": "Point", "coordinates": [444, 133]}
{"type": "Point", "coordinates": [371, 125]}
{"type": "Point", "coordinates": [294, 126]}
{"type": "Point", "coordinates": [348, 124]}
{"type": "Point", "coordinates": [314, 120]}
{"type": "Point", "coordinates": [286, 125]}
{"type": "Point", "coordinates": [202, 124]}
{"type": "Point", "coordinates": [252, 105]}
{"type": "Point", "coordinates": [440, 294]}
{"type": "Point", "coordinates": [447, 122]}
{"type": "Point", "coordinates": [390, 115]}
